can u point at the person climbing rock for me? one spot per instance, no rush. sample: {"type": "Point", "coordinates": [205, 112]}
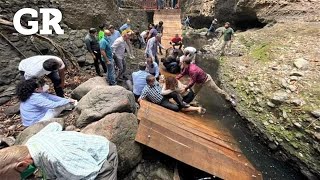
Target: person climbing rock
{"type": "Point", "coordinates": [199, 79]}
{"type": "Point", "coordinates": [228, 37]}
{"type": "Point", "coordinates": [92, 44]}
{"type": "Point", "coordinates": [212, 27]}
{"type": "Point", "coordinates": [58, 154]}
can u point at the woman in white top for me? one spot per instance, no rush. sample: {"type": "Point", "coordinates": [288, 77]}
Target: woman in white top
{"type": "Point", "coordinates": [171, 86]}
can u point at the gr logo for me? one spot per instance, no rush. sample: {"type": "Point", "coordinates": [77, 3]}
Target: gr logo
{"type": "Point", "coordinates": [46, 21]}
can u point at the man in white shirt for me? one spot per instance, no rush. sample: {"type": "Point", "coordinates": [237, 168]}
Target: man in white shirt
{"type": "Point", "coordinates": [45, 65]}
{"type": "Point", "coordinates": [118, 50]}
{"type": "Point", "coordinates": [60, 155]}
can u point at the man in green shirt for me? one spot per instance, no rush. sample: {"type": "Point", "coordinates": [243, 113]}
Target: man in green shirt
{"type": "Point", "coordinates": [102, 27]}
{"type": "Point", "coordinates": [228, 36]}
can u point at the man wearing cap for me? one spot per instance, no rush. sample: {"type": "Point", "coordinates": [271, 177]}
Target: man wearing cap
{"type": "Point", "coordinates": [94, 49]}
{"type": "Point", "coordinates": [139, 80]}
{"type": "Point", "coordinates": [106, 53]}
{"type": "Point", "coordinates": [114, 34]}
{"type": "Point", "coordinates": [125, 26]}
{"type": "Point", "coordinates": [118, 49]}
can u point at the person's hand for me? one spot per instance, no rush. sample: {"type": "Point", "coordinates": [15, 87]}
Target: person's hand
{"type": "Point", "coordinates": [184, 90]}
{"type": "Point", "coordinates": [72, 101]}
{"type": "Point", "coordinates": [108, 62]}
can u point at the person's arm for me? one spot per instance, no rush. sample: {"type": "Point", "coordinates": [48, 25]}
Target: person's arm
{"type": "Point", "coordinates": [191, 82]}
{"type": "Point", "coordinates": [160, 45]}
{"type": "Point", "coordinates": [232, 35]}
{"type": "Point", "coordinates": [156, 70]}
{"type": "Point", "coordinates": [103, 52]}
{"type": "Point", "coordinates": [165, 91]}
{"type": "Point", "coordinates": [115, 45]}
{"type": "Point", "coordinates": [41, 100]}
{"type": "Point", "coordinates": [53, 97]}
{"type": "Point", "coordinates": [144, 94]}
{"type": "Point", "coordinates": [52, 127]}
{"type": "Point", "coordinates": [181, 74]}
{"type": "Point", "coordinates": [62, 77]}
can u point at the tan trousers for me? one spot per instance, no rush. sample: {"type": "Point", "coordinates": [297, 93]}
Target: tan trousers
{"type": "Point", "coordinates": [109, 168]}
{"type": "Point", "coordinates": [226, 45]}
{"type": "Point", "coordinates": [212, 85]}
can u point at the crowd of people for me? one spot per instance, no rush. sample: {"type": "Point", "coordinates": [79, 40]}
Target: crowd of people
{"type": "Point", "coordinates": [80, 156]}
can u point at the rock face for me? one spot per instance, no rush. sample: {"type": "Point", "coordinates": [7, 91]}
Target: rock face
{"type": "Point", "coordinates": [34, 129]}
{"type": "Point", "coordinates": [121, 129]}
{"type": "Point", "coordinates": [87, 86]}
{"type": "Point", "coordinates": [248, 12]}
{"type": "Point", "coordinates": [101, 101]}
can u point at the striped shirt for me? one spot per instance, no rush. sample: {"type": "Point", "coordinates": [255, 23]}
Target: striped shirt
{"type": "Point", "coordinates": [152, 93]}
{"type": "Point", "coordinates": [67, 154]}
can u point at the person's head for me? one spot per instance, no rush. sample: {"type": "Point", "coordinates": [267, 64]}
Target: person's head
{"type": "Point", "coordinates": [175, 52]}
{"type": "Point", "coordinates": [186, 62]}
{"type": "Point", "coordinates": [149, 61]}
{"type": "Point", "coordinates": [14, 161]}
{"type": "Point", "coordinates": [186, 52]}
{"type": "Point", "coordinates": [176, 36]}
{"type": "Point", "coordinates": [107, 33]}
{"type": "Point", "coordinates": [51, 65]}
{"type": "Point", "coordinates": [158, 37]}
{"type": "Point", "coordinates": [25, 88]}
{"type": "Point", "coordinates": [227, 25]}
{"type": "Point", "coordinates": [142, 66]}
{"type": "Point", "coordinates": [150, 80]}
{"type": "Point", "coordinates": [151, 26]}
{"type": "Point", "coordinates": [93, 31]}
{"type": "Point", "coordinates": [111, 29]}
{"type": "Point", "coordinates": [101, 27]}
{"type": "Point", "coordinates": [171, 83]}
{"type": "Point", "coordinates": [160, 23]}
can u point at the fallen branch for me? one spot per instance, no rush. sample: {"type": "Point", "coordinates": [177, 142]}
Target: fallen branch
{"type": "Point", "coordinates": [63, 53]}
{"type": "Point", "coordinates": [5, 38]}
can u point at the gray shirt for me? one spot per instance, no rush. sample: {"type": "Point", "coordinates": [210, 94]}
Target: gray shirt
{"type": "Point", "coordinates": [91, 43]}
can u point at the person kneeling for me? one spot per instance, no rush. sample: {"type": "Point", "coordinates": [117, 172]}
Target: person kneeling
{"type": "Point", "coordinates": [38, 105]}
{"type": "Point", "coordinates": [173, 88]}
{"type": "Point", "coordinates": [152, 92]}
{"type": "Point", "coordinates": [171, 63]}
{"type": "Point", "coordinates": [60, 155]}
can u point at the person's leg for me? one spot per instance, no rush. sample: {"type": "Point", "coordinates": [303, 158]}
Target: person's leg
{"type": "Point", "coordinates": [196, 88]}
{"type": "Point", "coordinates": [223, 47]}
{"type": "Point", "coordinates": [160, 51]}
{"type": "Point", "coordinates": [110, 166]}
{"type": "Point", "coordinates": [189, 97]}
{"type": "Point", "coordinates": [136, 97]}
{"type": "Point", "coordinates": [118, 63]}
{"type": "Point", "coordinates": [96, 62]}
{"type": "Point", "coordinates": [55, 78]}
{"type": "Point", "coordinates": [156, 59]}
{"type": "Point", "coordinates": [53, 113]}
{"type": "Point", "coordinates": [124, 67]}
{"type": "Point", "coordinates": [103, 64]}
{"type": "Point", "coordinates": [192, 109]}
{"type": "Point", "coordinates": [180, 45]}
{"type": "Point", "coordinates": [165, 103]}
{"type": "Point", "coordinates": [211, 84]}
{"type": "Point", "coordinates": [229, 47]}
{"type": "Point", "coordinates": [177, 98]}
{"type": "Point", "coordinates": [111, 73]}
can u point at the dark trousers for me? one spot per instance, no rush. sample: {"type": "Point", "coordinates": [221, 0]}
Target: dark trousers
{"type": "Point", "coordinates": [167, 104]}
{"type": "Point", "coordinates": [97, 61]}
{"type": "Point", "coordinates": [55, 79]}
{"type": "Point", "coordinates": [136, 97]}
{"type": "Point", "coordinates": [176, 97]}
{"type": "Point", "coordinates": [189, 97]}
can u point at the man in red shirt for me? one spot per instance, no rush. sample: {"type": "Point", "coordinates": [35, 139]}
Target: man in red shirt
{"type": "Point", "coordinates": [199, 78]}
{"type": "Point", "coordinates": [176, 41]}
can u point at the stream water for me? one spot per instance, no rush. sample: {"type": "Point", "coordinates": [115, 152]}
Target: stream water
{"type": "Point", "coordinates": [228, 119]}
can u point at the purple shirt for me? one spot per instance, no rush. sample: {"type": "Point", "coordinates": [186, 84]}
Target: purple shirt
{"type": "Point", "coordinates": [196, 74]}
{"type": "Point", "coordinates": [153, 32]}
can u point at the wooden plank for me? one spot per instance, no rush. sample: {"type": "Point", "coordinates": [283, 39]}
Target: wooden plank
{"type": "Point", "coordinates": [191, 152]}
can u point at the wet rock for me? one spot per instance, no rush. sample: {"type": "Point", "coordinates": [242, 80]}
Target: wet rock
{"type": "Point", "coordinates": [279, 97]}
{"type": "Point", "coordinates": [4, 99]}
{"type": "Point", "coordinates": [316, 113]}
{"type": "Point", "coordinates": [301, 63]}
{"type": "Point", "coordinates": [121, 129]}
{"type": "Point", "coordinates": [12, 110]}
{"type": "Point", "coordinates": [23, 136]}
{"type": "Point", "coordinates": [85, 87]}
{"type": "Point", "coordinates": [101, 101]}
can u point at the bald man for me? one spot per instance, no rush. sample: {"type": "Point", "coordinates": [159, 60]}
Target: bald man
{"type": "Point", "coordinates": [106, 54]}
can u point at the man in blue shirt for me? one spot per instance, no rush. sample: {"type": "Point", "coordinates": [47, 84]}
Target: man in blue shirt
{"type": "Point", "coordinates": [106, 53]}
{"type": "Point", "coordinates": [115, 34]}
{"type": "Point", "coordinates": [151, 48]}
{"type": "Point", "coordinates": [125, 26]}
{"type": "Point", "coordinates": [139, 80]}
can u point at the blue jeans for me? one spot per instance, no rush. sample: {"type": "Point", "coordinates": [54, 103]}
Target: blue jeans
{"type": "Point", "coordinates": [111, 76]}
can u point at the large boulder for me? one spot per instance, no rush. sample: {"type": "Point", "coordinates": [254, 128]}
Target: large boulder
{"type": "Point", "coordinates": [34, 129]}
{"type": "Point", "coordinates": [121, 129]}
{"type": "Point", "coordinates": [87, 86]}
{"type": "Point", "coordinates": [101, 101]}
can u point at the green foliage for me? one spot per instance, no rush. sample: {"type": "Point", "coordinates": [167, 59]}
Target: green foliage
{"type": "Point", "coordinates": [261, 52]}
